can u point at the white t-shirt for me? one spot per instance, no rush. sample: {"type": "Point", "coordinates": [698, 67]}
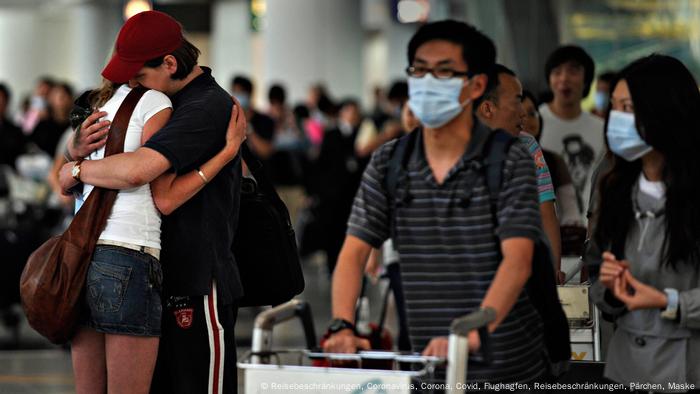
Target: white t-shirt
{"type": "Point", "coordinates": [656, 189]}
{"type": "Point", "coordinates": [581, 142]}
{"type": "Point", "coordinates": [134, 218]}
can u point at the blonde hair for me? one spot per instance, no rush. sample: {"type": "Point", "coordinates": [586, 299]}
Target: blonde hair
{"type": "Point", "coordinates": [99, 97]}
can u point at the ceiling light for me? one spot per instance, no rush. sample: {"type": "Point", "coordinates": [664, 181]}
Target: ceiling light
{"type": "Point", "coordinates": [411, 11]}
{"type": "Point", "coordinates": [134, 7]}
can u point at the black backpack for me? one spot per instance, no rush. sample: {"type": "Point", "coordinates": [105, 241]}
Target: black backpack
{"type": "Point", "coordinates": [541, 287]}
{"type": "Point", "coordinates": [265, 245]}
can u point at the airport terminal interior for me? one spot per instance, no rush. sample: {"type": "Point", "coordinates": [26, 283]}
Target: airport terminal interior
{"type": "Point", "coordinates": [304, 72]}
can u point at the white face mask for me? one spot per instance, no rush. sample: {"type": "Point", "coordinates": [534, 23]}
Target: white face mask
{"type": "Point", "coordinates": [435, 101]}
{"type": "Point", "coordinates": [601, 101]}
{"type": "Point", "coordinates": [623, 138]}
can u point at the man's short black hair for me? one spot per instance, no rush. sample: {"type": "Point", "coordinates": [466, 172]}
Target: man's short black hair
{"type": "Point", "coordinates": [301, 112]}
{"type": "Point", "coordinates": [243, 82]}
{"type": "Point", "coordinates": [4, 90]}
{"type": "Point", "coordinates": [65, 86]}
{"type": "Point", "coordinates": [186, 56]}
{"type": "Point", "coordinates": [478, 51]}
{"type": "Point", "coordinates": [491, 92]}
{"type": "Point", "coordinates": [277, 94]}
{"type": "Point", "coordinates": [45, 79]}
{"type": "Point", "coordinates": [609, 76]}
{"type": "Point", "coordinates": [350, 101]}
{"type": "Point", "coordinates": [575, 54]}
{"type": "Point", "coordinates": [398, 92]}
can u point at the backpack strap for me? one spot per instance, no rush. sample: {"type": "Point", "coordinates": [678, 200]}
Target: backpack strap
{"type": "Point", "coordinates": [494, 157]}
{"type": "Point", "coordinates": [398, 164]}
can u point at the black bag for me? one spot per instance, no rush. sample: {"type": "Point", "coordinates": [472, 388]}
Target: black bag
{"type": "Point", "coordinates": [311, 236]}
{"type": "Point", "coordinates": [265, 245]}
{"type": "Point", "coordinates": [541, 287]}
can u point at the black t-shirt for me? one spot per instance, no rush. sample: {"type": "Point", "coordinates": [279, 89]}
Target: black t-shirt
{"type": "Point", "coordinates": [47, 134]}
{"type": "Point", "coordinates": [263, 126]}
{"type": "Point", "coordinates": [197, 237]}
{"type": "Point", "coordinates": [12, 142]}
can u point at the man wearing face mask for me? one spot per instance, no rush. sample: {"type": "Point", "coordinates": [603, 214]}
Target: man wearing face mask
{"type": "Point", "coordinates": [454, 259]}
{"type": "Point", "coordinates": [261, 127]}
{"type": "Point", "coordinates": [601, 99]}
{"type": "Point", "coordinates": [337, 171]}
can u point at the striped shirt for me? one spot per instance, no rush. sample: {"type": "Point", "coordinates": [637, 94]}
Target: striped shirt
{"type": "Point", "coordinates": [448, 250]}
{"type": "Point", "coordinates": [545, 188]}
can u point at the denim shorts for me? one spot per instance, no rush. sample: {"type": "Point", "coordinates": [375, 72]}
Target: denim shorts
{"type": "Point", "coordinates": [122, 292]}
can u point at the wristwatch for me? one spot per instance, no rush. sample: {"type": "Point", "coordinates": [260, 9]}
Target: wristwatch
{"type": "Point", "coordinates": [339, 325]}
{"type": "Point", "coordinates": [671, 311]}
{"type": "Point", "coordinates": [75, 172]}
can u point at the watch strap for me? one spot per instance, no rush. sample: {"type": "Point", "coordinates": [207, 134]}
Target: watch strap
{"type": "Point", "coordinates": [671, 311]}
{"type": "Point", "coordinates": [338, 325]}
{"type": "Point", "coordinates": [74, 173]}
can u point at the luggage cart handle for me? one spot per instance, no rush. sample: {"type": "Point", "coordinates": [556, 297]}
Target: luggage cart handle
{"type": "Point", "coordinates": [569, 275]}
{"type": "Point", "coordinates": [476, 320]}
{"type": "Point", "coordinates": [267, 320]}
{"type": "Point", "coordinates": [458, 347]}
{"type": "Point", "coordinates": [426, 363]}
{"type": "Point", "coordinates": [481, 318]}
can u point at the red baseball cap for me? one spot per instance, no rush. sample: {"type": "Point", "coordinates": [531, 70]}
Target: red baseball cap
{"type": "Point", "coordinates": [145, 36]}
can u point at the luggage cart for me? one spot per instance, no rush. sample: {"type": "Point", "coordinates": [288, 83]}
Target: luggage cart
{"type": "Point", "coordinates": [273, 371]}
{"type": "Point", "coordinates": [583, 316]}
{"type": "Point", "coordinates": [584, 326]}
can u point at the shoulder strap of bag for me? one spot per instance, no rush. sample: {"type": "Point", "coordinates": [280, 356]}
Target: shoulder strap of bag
{"type": "Point", "coordinates": [398, 161]}
{"type": "Point", "coordinates": [255, 167]}
{"type": "Point", "coordinates": [398, 164]}
{"type": "Point", "coordinates": [88, 223]}
{"type": "Point", "coordinates": [494, 156]}
{"type": "Point", "coordinates": [117, 132]}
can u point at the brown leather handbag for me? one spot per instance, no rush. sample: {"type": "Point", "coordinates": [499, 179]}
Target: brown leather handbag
{"type": "Point", "coordinates": [52, 282]}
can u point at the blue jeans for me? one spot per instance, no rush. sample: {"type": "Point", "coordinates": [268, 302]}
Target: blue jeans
{"type": "Point", "coordinates": [122, 292]}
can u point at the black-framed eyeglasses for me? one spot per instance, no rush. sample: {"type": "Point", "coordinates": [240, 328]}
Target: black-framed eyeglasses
{"type": "Point", "coordinates": [439, 72]}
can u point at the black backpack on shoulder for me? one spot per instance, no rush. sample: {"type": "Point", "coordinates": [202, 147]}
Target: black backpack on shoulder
{"type": "Point", "coordinates": [265, 245]}
{"type": "Point", "coordinates": [541, 287]}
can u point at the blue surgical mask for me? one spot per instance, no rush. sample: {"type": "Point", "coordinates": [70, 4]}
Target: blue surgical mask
{"type": "Point", "coordinates": [435, 101]}
{"type": "Point", "coordinates": [623, 138]}
{"type": "Point", "coordinates": [601, 101]}
{"type": "Point", "coordinates": [244, 99]}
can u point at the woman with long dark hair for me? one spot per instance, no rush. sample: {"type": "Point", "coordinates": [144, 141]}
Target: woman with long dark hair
{"type": "Point", "coordinates": [647, 228]}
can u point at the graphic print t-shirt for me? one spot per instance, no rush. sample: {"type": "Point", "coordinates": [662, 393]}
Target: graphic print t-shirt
{"type": "Point", "coordinates": [581, 142]}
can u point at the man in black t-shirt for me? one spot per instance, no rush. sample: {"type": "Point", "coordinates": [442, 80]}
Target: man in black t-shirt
{"type": "Point", "coordinates": [201, 283]}
{"type": "Point", "coordinates": [12, 141]}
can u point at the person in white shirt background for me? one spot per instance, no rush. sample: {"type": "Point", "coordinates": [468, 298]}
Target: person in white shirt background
{"type": "Point", "coordinates": [575, 134]}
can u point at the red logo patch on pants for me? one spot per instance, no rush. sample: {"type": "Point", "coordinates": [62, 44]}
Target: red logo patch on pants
{"type": "Point", "coordinates": [183, 317]}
